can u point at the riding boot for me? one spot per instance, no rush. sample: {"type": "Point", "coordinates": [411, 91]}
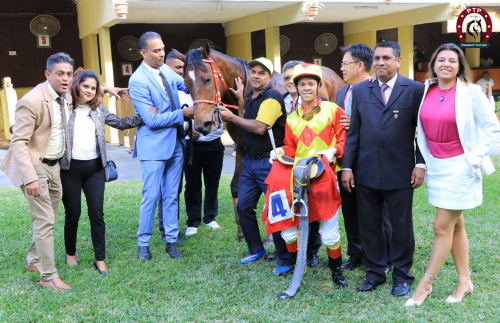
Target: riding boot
{"type": "Point", "coordinates": [335, 266]}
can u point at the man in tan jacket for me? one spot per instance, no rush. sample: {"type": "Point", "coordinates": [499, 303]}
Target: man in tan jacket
{"type": "Point", "coordinates": [32, 162]}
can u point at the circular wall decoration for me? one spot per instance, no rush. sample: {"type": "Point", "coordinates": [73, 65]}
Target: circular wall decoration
{"type": "Point", "coordinates": [325, 43]}
{"type": "Point", "coordinates": [128, 47]}
{"type": "Point", "coordinates": [45, 25]}
{"type": "Point", "coordinates": [284, 44]}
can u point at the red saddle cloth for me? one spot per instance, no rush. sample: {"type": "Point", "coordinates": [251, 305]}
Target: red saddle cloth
{"type": "Point", "coordinates": [324, 197]}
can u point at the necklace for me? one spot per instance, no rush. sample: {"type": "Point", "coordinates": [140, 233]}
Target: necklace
{"type": "Point", "coordinates": [444, 92]}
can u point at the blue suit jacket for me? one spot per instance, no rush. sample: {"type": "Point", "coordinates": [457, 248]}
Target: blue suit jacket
{"type": "Point", "coordinates": [156, 139]}
{"type": "Point", "coordinates": [379, 147]}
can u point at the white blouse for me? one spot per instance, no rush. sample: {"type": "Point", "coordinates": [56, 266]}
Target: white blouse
{"type": "Point", "coordinates": [84, 138]}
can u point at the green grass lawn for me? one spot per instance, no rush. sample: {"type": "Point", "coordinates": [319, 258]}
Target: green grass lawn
{"type": "Point", "coordinates": [209, 283]}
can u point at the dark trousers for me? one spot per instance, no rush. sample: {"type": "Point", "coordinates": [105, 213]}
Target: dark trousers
{"type": "Point", "coordinates": [206, 159]}
{"type": "Point", "coordinates": [314, 240]}
{"type": "Point", "coordinates": [402, 246]}
{"type": "Point", "coordinates": [89, 176]}
{"type": "Point", "coordinates": [254, 173]}
{"type": "Point", "coordinates": [351, 224]}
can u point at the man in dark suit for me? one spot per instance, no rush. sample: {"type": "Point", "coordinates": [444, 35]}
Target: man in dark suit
{"type": "Point", "coordinates": [355, 67]}
{"type": "Point", "coordinates": [380, 155]}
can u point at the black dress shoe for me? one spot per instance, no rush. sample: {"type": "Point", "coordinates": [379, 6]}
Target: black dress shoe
{"type": "Point", "coordinates": [172, 250]}
{"type": "Point", "coordinates": [313, 261]}
{"type": "Point", "coordinates": [270, 257]}
{"type": "Point", "coordinates": [369, 285]}
{"type": "Point", "coordinates": [143, 253]}
{"type": "Point", "coordinates": [400, 289]}
{"type": "Point", "coordinates": [351, 264]}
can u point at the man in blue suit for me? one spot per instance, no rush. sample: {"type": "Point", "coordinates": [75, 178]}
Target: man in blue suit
{"type": "Point", "coordinates": [160, 142]}
{"type": "Point", "coordinates": [380, 155]}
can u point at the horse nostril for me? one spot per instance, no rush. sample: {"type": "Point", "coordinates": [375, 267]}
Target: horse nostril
{"type": "Point", "coordinates": [206, 127]}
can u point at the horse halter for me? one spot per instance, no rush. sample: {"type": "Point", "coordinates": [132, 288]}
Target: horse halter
{"type": "Point", "coordinates": [218, 99]}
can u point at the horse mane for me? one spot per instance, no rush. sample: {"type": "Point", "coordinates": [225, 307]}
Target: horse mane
{"type": "Point", "coordinates": [194, 59]}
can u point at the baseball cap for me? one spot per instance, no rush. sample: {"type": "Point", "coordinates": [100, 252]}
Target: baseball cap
{"type": "Point", "coordinates": [262, 61]}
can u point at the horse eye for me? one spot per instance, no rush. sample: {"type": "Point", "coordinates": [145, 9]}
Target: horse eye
{"type": "Point", "coordinates": [208, 80]}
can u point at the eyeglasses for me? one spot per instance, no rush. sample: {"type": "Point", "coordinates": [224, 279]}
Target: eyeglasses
{"type": "Point", "coordinates": [347, 63]}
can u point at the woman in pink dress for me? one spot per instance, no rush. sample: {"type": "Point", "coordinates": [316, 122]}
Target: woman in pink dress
{"type": "Point", "coordinates": [451, 114]}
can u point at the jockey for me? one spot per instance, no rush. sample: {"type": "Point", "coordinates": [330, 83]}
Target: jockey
{"type": "Point", "coordinates": [314, 128]}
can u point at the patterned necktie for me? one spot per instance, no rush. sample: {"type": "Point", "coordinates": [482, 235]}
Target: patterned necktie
{"type": "Point", "coordinates": [383, 87]}
{"type": "Point", "coordinates": [180, 128]}
{"type": "Point", "coordinates": [349, 105]}
{"type": "Point", "coordinates": [62, 104]}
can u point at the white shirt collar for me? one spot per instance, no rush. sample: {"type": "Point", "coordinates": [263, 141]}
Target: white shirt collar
{"type": "Point", "coordinates": [391, 81]}
{"type": "Point", "coordinates": [155, 71]}
{"type": "Point", "coordinates": [52, 92]}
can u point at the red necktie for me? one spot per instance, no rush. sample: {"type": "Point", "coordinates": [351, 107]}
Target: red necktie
{"type": "Point", "coordinates": [383, 87]}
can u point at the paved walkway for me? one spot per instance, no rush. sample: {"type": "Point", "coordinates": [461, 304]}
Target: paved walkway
{"type": "Point", "coordinates": [129, 168]}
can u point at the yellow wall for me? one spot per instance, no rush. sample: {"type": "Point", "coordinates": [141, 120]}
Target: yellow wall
{"type": "Point", "coordinates": [365, 30]}
{"type": "Point", "coordinates": [240, 45]}
{"type": "Point", "coordinates": [405, 40]}
{"type": "Point", "coordinates": [273, 47]}
{"type": "Point", "coordinates": [95, 14]}
{"type": "Point", "coordinates": [369, 38]}
{"type": "Point", "coordinates": [91, 53]}
{"type": "Point", "coordinates": [472, 55]}
{"type": "Point", "coordinates": [404, 18]}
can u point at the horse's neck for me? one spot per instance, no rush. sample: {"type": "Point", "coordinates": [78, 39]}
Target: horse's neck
{"type": "Point", "coordinates": [230, 68]}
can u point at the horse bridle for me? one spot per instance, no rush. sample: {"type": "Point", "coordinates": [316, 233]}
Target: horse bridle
{"type": "Point", "coordinates": [218, 99]}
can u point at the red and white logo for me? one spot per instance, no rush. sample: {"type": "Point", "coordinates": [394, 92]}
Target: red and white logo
{"type": "Point", "coordinates": [475, 23]}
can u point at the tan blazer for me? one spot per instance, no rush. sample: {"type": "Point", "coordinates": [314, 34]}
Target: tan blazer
{"type": "Point", "coordinates": [31, 134]}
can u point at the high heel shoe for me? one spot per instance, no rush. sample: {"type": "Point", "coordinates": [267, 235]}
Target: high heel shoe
{"type": "Point", "coordinates": [452, 299]}
{"type": "Point", "coordinates": [419, 300]}
{"type": "Point", "coordinates": [76, 265]}
{"type": "Point", "coordinates": [102, 272]}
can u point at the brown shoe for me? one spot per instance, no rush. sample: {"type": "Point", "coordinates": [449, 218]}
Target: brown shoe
{"type": "Point", "coordinates": [55, 284]}
{"type": "Point", "coordinates": [32, 268]}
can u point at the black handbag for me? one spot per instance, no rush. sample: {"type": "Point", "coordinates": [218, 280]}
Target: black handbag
{"type": "Point", "coordinates": [110, 171]}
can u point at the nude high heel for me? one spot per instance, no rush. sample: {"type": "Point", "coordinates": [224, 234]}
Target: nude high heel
{"type": "Point", "coordinates": [452, 299]}
{"type": "Point", "coordinates": [419, 300]}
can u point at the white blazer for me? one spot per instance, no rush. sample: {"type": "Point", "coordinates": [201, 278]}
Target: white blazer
{"type": "Point", "coordinates": [477, 124]}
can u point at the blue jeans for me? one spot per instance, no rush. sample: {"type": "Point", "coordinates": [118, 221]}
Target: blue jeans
{"type": "Point", "coordinates": [254, 173]}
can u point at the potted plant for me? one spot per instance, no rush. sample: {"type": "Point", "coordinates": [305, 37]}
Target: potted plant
{"type": "Point", "coordinates": [311, 8]}
{"type": "Point", "coordinates": [121, 7]}
{"type": "Point", "coordinates": [457, 7]}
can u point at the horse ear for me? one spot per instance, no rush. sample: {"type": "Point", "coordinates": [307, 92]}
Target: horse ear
{"type": "Point", "coordinates": [206, 50]}
{"type": "Point", "coordinates": [179, 55]}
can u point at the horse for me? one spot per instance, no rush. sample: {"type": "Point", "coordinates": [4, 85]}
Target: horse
{"type": "Point", "coordinates": [209, 74]}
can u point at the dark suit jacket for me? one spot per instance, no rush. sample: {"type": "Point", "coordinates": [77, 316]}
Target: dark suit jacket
{"type": "Point", "coordinates": [339, 99]}
{"type": "Point", "coordinates": [379, 146]}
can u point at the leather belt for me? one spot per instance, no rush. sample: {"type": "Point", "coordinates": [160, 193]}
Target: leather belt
{"type": "Point", "coordinates": [261, 155]}
{"type": "Point", "coordinates": [50, 162]}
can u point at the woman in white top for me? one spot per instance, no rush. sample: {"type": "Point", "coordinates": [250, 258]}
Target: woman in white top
{"type": "Point", "coordinates": [456, 128]}
{"type": "Point", "coordinates": [86, 168]}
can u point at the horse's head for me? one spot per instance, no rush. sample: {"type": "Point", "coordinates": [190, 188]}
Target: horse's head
{"type": "Point", "coordinates": [200, 81]}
